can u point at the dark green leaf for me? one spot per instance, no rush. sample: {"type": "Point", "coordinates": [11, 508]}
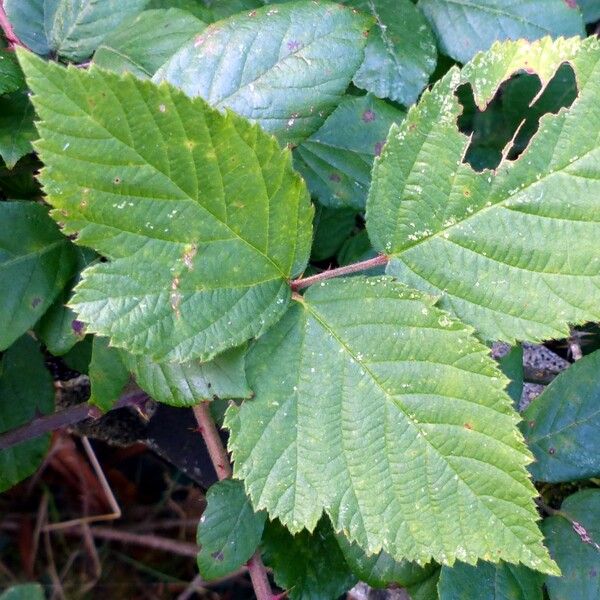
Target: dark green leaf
{"type": "Point", "coordinates": [590, 10]}
{"type": "Point", "coordinates": [11, 76]}
{"type": "Point", "coordinates": [356, 249]}
{"type": "Point", "coordinates": [310, 566]}
{"type": "Point", "coordinates": [562, 426]}
{"type": "Point", "coordinates": [36, 262]}
{"type": "Point", "coordinates": [26, 391]}
{"type": "Point", "coordinates": [108, 374]}
{"type": "Point", "coordinates": [332, 227]}
{"type": "Point", "coordinates": [229, 530]}
{"type": "Point", "coordinates": [511, 365]}
{"type": "Point", "coordinates": [285, 67]}
{"type": "Point", "coordinates": [16, 127]}
{"type": "Point", "coordinates": [575, 547]}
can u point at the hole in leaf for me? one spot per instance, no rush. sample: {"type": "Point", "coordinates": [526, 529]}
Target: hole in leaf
{"type": "Point", "coordinates": [511, 114]}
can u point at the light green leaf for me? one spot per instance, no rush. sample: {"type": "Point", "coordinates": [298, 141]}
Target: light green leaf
{"type": "Point", "coordinates": [285, 66]}
{"type": "Point", "coordinates": [146, 41]}
{"type": "Point", "coordinates": [16, 127]}
{"type": "Point", "coordinates": [11, 76]}
{"type": "Point", "coordinates": [73, 29]}
{"type": "Point", "coordinates": [309, 566]}
{"type": "Point", "coordinates": [590, 10]}
{"type": "Point", "coordinates": [486, 242]}
{"type": "Point", "coordinates": [562, 426]}
{"type": "Point", "coordinates": [190, 383]}
{"type": "Point", "coordinates": [108, 374]}
{"type": "Point", "coordinates": [465, 27]}
{"type": "Point", "coordinates": [336, 160]}
{"type": "Point", "coordinates": [26, 391]}
{"type": "Point", "coordinates": [26, 591]}
{"type": "Point", "coordinates": [381, 570]}
{"type": "Point", "coordinates": [203, 235]}
{"type": "Point", "coordinates": [229, 530]}
{"type": "Point", "coordinates": [377, 407]}
{"type": "Point", "coordinates": [576, 552]}
{"type": "Point", "coordinates": [400, 54]}
{"type": "Point", "coordinates": [487, 581]}
{"type": "Point", "coordinates": [36, 262]}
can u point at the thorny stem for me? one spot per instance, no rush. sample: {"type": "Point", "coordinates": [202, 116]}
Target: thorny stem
{"type": "Point", "coordinates": [220, 460]}
{"type": "Point", "coordinates": [63, 418]}
{"type": "Point", "coordinates": [299, 284]}
{"type": "Point", "coordinates": [6, 27]}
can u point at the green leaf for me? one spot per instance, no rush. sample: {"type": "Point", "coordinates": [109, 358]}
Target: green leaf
{"type": "Point", "coordinates": [511, 364]}
{"type": "Point", "coordinates": [486, 581]}
{"type": "Point", "coordinates": [486, 242]}
{"type": "Point", "coordinates": [310, 566]}
{"type": "Point", "coordinates": [229, 530]}
{"type": "Point", "coordinates": [146, 41]}
{"type": "Point", "coordinates": [356, 249]}
{"type": "Point", "coordinates": [36, 262]}
{"type": "Point", "coordinates": [377, 407]}
{"type": "Point", "coordinates": [426, 589]}
{"type": "Point", "coordinates": [464, 27]}
{"type": "Point", "coordinates": [197, 8]}
{"type": "Point", "coordinates": [400, 54]}
{"type": "Point", "coordinates": [190, 383]}
{"type": "Point", "coordinates": [11, 76]}
{"type": "Point", "coordinates": [203, 236]}
{"type": "Point", "coordinates": [336, 161]}
{"type": "Point", "coordinates": [576, 553]}
{"type": "Point", "coordinates": [108, 374]}
{"type": "Point", "coordinates": [25, 591]}
{"type": "Point", "coordinates": [26, 391]}
{"type": "Point", "coordinates": [332, 227]}
{"type": "Point", "coordinates": [590, 10]}
{"type": "Point", "coordinates": [73, 29]}
{"type": "Point", "coordinates": [562, 426]}
{"type": "Point", "coordinates": [284, 67]}
{"type": "Point", "coordinates": [16, 127]}
{"type": "Point", "coordinates": [381, 570]}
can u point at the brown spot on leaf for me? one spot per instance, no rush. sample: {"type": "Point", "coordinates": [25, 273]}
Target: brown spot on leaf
{"type": "Point", "coordinates": [78, 327]}
{"type": "Point", "coordinates": [35, 302]}
{"type": "Point", "coordinates": [188, 255]}
{"type": "Point", "coordinates": [467, 193]}
{"type": "Point", "coordinates": [117, 180]}
{"type": "Point", "coordinates": [468, 426]}
{"type": "Point", "coordinates": [379, 148]}
{"type": "Point", "coordinates": [175, 297]}
{"type": "Point", "coordinates": [335, 177]}
{"type": "Point", "coordinates": [551, 451]}
{"type": "Point", "coordinates": [368, 116]}
{"type": "Point", "coordinates": [217, 555]}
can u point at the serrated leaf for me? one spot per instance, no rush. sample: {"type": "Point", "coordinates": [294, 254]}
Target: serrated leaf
{"type": "Point", "coordinates": [381, 570]}
{"type": "Point", "coordinates": [400, 54]}
{"type": "Point", "coordinates": [487, 581]}
{"type": "Point", "coordinates": [310, 566]}
{"type": "Point", "coordinates": [336, 160]}
{"type": "Point", "coordinates": [26, 391]}
{"type": "Point", "coordinates": [465, 27]}
{"type": "Point", "coordinates": [25, 591]}
{"type": "Point", "coordinates": [285, 67]}
{"type": "Point", "coordinates": [332, 226]}
{"type": "Point", "coordinates": [73, 29]}
{"type": "Point", "coordinates": [562, 426]}
{"type": "Point", "coordinates": [11, 76]}
{"type": "Point", "coordinates": [377, 407]}
{"type": "Point", "coordinates": [590, 10]}
{"type": "Point", "coordinates": [108, 374]}
{"type": "Point", "coordinates": [16, 127]}
{"type": "Point", "coordinates": [145, 42]}
{"type": "Point", "coordinates": [36, 262]}
{"type": "Point", "coordinates": [486, 242]}
{"type": "Point", "coordinates": [578, 558]}
{"type": "Point", "coordinates": [511, 364]}
{"type": "Point", "coordinates": [203, 235]}
{"type": "Point", "coordinates": [190, 383]}
{"type": "Point", "coordinates": [229, 530]}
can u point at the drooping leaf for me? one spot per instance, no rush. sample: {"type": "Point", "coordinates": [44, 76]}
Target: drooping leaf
{"type": "Point", "coordinates": [36, 262]}
{"type": "Point", "coordinates": [108, 374]}
{"type": "Point", "coordinates": [203, 234]}
{"type": "Point", "coordinates": [486, 242]}
{"type": "Point", "coordinates": [487, 581]}
{"type": "Point", "coordinates": [229, 530]}
{"type": "Point", "coordinates": [400, 54]}
{"type": "Point", "coordinates": [73, 29]}
{"type": "Point", "coordinates": [377, 407]}
{"type": "Point", "coordinates": [11, 76]}
{"type": "Point", "coordinates": [381, 570]}
{"type": "Point", "coordinates": [146, 41]}
{"type": "Point", "coordinates": [26, 391]}
{"type": "Point", "coordinates": [25, 591]}
{"type": "Point", "coordinates": [285, 66]}
{"type": "Point", "coordinates": [16, 127]}
{"type": "Point", "coordinates": [332, 227]}
{"type": "Point", "coordinates": [590, 10]}
{"type": "Point", "coordinates": [336, 160]}
{"type": "Point", "coordinates": [190, 383]}
{"type": "Point", "coordinates": [465, 27]}
{"type": "Point", "coordinates": [577, 553]}
{"type": "Point", "coordinates": [562, 426]}
{"type": "Point", "coordinates": [310, 566]}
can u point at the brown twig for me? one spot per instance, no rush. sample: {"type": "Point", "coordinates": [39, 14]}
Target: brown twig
{"type": "Point", "coordinates": [220, 460]}
{"type": "Point", "coordinates": [365, 265]}
{"type": "Point", "coordinates": [9, 33]}
{"type": "Point", "coordinates": [64, 418]}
